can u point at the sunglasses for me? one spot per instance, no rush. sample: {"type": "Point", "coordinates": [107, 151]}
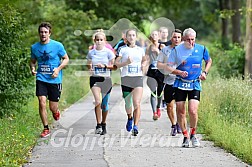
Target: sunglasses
{"type": "Point", "coordinates": [98, 39]}
{"type": "Point", "coordinates": [190, 39]}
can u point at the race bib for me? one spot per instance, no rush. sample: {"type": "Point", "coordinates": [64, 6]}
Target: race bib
{"type": "Point", "coordinates": [154, 65]}
{"type": "Point", "coordinates": [185, 85]}
{"type": "Point", "coordinates": [98, 70]}
{"type": "Point", "coordinates": [45, 69]}
{"type": "Point", "coordinates": [132, 69]}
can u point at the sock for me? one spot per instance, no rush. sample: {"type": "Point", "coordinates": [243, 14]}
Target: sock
{"type": "Point", "coordinates": [185, 133]}
{"type": "Point", "coordinates": [193, 131]}
{"type": "Point", "coordinates": [98, 125]}
{"type": "Point", "coordinates": [46, 127]}
{"type": "Point", "coordinates": [173, 126]}
{"type": "Point", "coordinates": [130, 118]}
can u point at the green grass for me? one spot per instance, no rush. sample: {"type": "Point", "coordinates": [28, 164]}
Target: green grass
{"type": "Point", "coordinates": [18, 135]}
{"type": "Point", "coordinates": [225, 115]}
{"type": "Point", "coordinates": [20, 131]}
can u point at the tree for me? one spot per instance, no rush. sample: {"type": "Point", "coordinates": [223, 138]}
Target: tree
{"type": "Point", "coordinates": [248, 40]}
{"type": "Point", "coordinates": [136, 11]}
{"type": "Point", "coordinates": [224, 8]}
{"type": "Point", "coordinates": [236, 23]}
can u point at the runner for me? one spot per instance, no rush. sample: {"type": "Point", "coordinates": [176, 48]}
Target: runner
{"type": "Point", "coordinates": [155, 77]}
{"type": "Point", "coordinates": [48, 54]}
{"type": "Point", "coordinates": [100, 61]}
{"type": "Point", "coordinates": [163, 35]}
{"type": "Point", "coordinates": [188, 59]}
{"type": "Point", "coordinates": [169, 79]}
{"type": "Point", "coordinates": [131, 60]}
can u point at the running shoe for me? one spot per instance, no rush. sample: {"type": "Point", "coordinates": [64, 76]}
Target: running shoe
{"type": "Point", "coordinates": [98, 129]}
{"type": "Point", "coordinates": [195, 141]}
{"type": "Point", "coordinates": [158, 112]}
{"type": "Point", "coordinates": [129, 124]}
{"type": "Point", "coordinates": [56, 115]}
{"type": "Point", "coordinates": [155, 116]}
{"type": "Point", "coordinates": [104, 130]}
{"type": "Point", "coordinates": [178, 128]}
{"type": "Point", "coordinates": [173, 130]}
{"type": "Point", "coordinates": [135, 130]}
{"type": "Point", "coordinates": [185, 142]}
{"type": "Point", "coordinates": [45, 133]}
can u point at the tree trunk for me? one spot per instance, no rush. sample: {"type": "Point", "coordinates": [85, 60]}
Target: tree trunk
{"type": "Point", "coordinates": [236, 23]}
{"type": "Point", "coordinates": [224, 4]}
{"type": "Point", "coordinates": [248, 40]}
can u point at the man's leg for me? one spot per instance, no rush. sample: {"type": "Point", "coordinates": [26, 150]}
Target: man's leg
{"type": "Point", "coordinates": [54, 107]}
{"type": "Point", "coordinates": [43, 116]}
{"type": "Point", "coordinates": [170, 112]}
{"type": "Point", "coordinates": [42, 110]}
{"type": "Point", "coordinates": [193, 112]}
{"type": "Point", "coordinates": [181, 114]}
{"type": "Point", "coordinates": [193, 103]}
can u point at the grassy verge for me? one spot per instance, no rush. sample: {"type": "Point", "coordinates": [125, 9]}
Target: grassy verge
{"type": "Point", "coordinates": [225, 115]}
{"type": "Point", "coordinates": [20, 131]}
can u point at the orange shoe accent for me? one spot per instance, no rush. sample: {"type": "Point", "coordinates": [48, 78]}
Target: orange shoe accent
{"type": "Point", "coordinates": [193, 131]}
{"type": "Point", "coordinates": [185, 133]}
{"type": "Point", "coordinates": [56, 115]}
{"type": "Point", "coordinates": [158, 112]}
{"type": "Point", "coordinates": [45, 133]}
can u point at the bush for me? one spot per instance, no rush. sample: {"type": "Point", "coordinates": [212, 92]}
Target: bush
{"type": "Point", "coordinates": [229, 63]}
{"type": "Point", "coordinates": [14, 68]}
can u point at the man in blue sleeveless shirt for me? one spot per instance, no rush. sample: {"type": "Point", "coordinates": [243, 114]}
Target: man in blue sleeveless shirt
{"type": "Point", "coordinates": [47, 54]}
{"type": "Point", "coordinates": [187, 58]}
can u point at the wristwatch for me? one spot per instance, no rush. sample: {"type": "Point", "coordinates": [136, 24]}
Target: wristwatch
{"type": "Point", "coordinates": [205, 72]}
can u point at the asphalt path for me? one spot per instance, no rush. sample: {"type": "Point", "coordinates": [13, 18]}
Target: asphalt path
{"type": "Point", "coordinates": [73, 142]}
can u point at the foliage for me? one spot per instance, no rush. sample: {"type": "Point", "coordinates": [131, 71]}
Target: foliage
{"type": "Point", "coordinates": [17, 142]}
{"type": "Point", "coordinates": [229, 63]}
{"type": "Point", "coordinates": [136, 11]}
{"type": "Point", "coordinates": [65, 23]}
{"type": "Point", "coordinates": [225, 115]}
{"type": "Point", "coordinates": [14, 68]}
{"type": "Point", "coordinates": [74, 88]}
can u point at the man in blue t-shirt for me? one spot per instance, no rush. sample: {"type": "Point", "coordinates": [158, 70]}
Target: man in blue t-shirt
{"type": "Point", "coordinates": [187, 58]}
{"type": "Point", "coordinates": [47, 54]}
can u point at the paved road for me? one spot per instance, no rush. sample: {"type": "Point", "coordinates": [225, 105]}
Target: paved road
{"type": "Point", "coordinates": [73, 142]}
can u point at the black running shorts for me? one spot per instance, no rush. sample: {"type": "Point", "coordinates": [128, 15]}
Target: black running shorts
{"type": "Point", "coordinates": [102, 82]}
{"type": "Point", "coordinates": [181, 95]}
{"type": "Point", "coordinates": [51, 91]}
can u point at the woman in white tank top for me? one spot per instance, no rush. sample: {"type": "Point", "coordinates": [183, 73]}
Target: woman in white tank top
{"type": "Point", "coordinates": [132, 60]}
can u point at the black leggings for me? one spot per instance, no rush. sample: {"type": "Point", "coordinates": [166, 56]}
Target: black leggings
{"type": "Point", "coordinates": [155, 85]}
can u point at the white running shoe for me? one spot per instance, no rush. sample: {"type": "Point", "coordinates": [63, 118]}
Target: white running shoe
{"type": "Point", "coordinates": [98, 130]}
{"type": "Point", "coordinates": [195, 141]}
